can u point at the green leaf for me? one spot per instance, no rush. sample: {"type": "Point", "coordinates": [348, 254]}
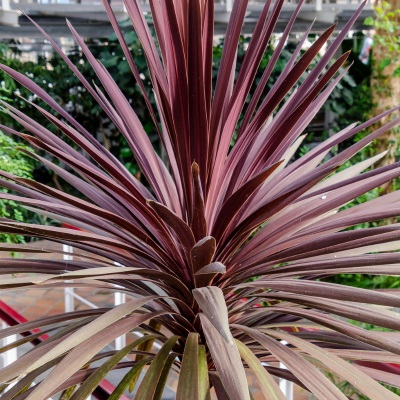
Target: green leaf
{"type": "Point", "coordinates": [369, 21]}
{"type": "Point", "coordinates": [111, 61]}
{"type": "Point", "coordinates": [94, 380]}
{"type": "Point", "coordinates": [126, 152]}
{"type": "Point", "coordinates": [128, 378]}
{"type": "Point", "coordinates": [164, 376]}
{"type": "Point", "coordinates": [204, 383]}
{"type": "Point", "coordinates": [188, 384]}
{"type": "Point", "coordinates": [384, 63]}
{"type": "Point", "coordinates": [267, 384]}
{"type": "Point", "coordinates": [148, 386]}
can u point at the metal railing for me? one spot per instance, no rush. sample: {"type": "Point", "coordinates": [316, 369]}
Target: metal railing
{"type": "Point", "coordinates": [70, 296]}
{"type": "Point", "coordinates": [10, 317]}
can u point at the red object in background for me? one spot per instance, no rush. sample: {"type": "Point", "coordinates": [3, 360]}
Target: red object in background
{"type": "Point", "coordinates": [68, 226]}
{"type": "Point", "coordinates": [12, 317]}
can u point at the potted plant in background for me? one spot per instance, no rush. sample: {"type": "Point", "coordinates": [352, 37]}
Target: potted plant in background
{"type": "Point", "coordinates": [227, 218]}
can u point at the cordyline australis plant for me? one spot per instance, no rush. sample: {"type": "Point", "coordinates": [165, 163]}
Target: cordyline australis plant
{"type": "Point", "coordinates": [222, 253]}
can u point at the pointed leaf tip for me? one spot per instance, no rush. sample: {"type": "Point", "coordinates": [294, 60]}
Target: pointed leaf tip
{"type": "Point", "coordinates": [213, 268]}
{"type": "Point", "coordinates": [195, 167]}
{"type": "Point", "coordinates": [212, 302]}
{"type": "Point", "coordinates": [202, 252]}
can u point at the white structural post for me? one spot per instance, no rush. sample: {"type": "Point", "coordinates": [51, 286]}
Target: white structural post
{"type": "Point", "coordinates": [8, 16]}
{"type": "Point", "coordinates": [285, 385]}
{"type": "Point", "coordinates": [69, 301]}
{"type": "Point", "coordinates": [5, 4]}
{"type": "Point", "coordinates": [318, 5]}
{"type": "Point", "coordinates": [10, 355]}
{"type": "Point", "coordinates": [69, 294]}
{"type": "Point", "coordinates": [228, 5]}
{"type": "Point", "coordinates": [119, 298]}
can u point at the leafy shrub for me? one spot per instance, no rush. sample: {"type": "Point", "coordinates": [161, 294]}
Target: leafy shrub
{"type": "Point", "coordinates": [222, 253]}
{"type": "Point", "coordinates": [386, 23]}
{"type": "Point", "coordinates": [15, 162]}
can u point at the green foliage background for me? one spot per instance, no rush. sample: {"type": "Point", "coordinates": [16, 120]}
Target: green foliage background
{"type": "Point", "coordinates": [13, 161]}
